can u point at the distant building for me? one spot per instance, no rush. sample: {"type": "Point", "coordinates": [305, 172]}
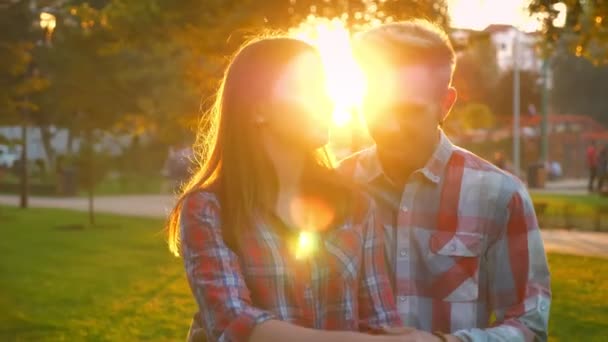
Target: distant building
{"type": "Point", "coordinates": [111, 144]}
{"type": "Point", "coordinates": [504, 39]}
{"type": "Point", "coordinates": [35, 148]}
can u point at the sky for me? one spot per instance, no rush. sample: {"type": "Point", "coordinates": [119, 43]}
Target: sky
{"type": "Point", "coordinates": [478, 14]}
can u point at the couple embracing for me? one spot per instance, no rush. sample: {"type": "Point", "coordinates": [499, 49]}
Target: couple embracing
{"type": "Point", "coordinates": [414, 239]}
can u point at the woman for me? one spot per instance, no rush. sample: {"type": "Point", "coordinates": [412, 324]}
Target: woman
{"type": "Point", "coordinates": [273, 243]}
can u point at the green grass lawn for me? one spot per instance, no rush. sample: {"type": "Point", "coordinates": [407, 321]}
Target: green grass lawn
{"type": "Point", "coordinates": [580, 214]}
{"type": "Point", "coordinates": [117, 282]}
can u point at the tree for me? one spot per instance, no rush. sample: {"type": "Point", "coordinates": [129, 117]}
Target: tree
{"type": "Point", "coordinates": [477, 71]}
{"type": "Point", "coordinates": [579, 87]}
{"type": "Point", "coordinates": [19, 75]}
{"type": "Point", "coordinates": [473, 116]}
{"type": "Point", "coordinates": [134, 65]}
{"type": "Point", "coordinates": [196, 36]}
{"type": "Point", "coordinates": [530, 96]}
{"type": "Point", "coordinates": [585, 29]}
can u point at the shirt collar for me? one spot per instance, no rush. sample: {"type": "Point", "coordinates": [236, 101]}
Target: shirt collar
{"type": "Point", "coordinates": [368, 167]}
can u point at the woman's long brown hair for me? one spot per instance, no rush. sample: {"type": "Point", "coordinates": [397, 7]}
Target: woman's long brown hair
{"type": "Point", "coordinates": [230, 159]}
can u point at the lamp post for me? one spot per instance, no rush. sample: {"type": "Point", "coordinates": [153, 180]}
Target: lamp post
{"type": "Point", "coordinates": [47, 22]}
{"type": "Point", "coordinates": [544, 130]}
{"type": "Point", "coordinates": [516, 105]}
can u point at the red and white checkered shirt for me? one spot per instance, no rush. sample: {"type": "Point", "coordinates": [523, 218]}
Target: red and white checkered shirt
{"type": "Point", "coordinates": [343, 285]}
{"type": "Point", "coordinates": [464, 244]}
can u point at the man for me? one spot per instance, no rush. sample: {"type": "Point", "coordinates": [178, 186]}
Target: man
{"type": "Point", "coordinates": [461, 235]}
{"type": "Point", "coordinates": [592, 155]}
{"type": "Point", "coordinates": [499, 160]}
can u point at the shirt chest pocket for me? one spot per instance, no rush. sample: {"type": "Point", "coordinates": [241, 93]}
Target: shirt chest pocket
{"type": "Point", "coordinates": [454, 263]}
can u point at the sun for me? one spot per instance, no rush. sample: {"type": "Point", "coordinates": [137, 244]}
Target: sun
{"type": "Point", "coordinates": [344, 78]}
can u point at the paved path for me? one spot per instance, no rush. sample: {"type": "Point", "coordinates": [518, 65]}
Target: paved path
{"type": "Point", "coordinates": [564, 187]}
{"type": "Point", "coordinates": [571, 242]}
{"type": "Point", "coordinates": [136, 205]}
{"type": "Point", "coordinates": [576, 242]}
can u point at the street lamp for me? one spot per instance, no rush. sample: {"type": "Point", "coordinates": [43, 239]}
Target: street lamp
{"type": "Point", "coordinates": [47, 24]}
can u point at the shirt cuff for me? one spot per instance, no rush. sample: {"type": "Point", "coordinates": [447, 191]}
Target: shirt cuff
{"type": "Point", "coordinates": [464, 335]}
{"type": "Point", "coordinates": [498, 333]}
{"type": "Point", "coordinates": [242, 325]}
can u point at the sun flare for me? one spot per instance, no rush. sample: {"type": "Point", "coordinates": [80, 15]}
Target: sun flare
{"type": "Point", "coordinates": [344, 79]}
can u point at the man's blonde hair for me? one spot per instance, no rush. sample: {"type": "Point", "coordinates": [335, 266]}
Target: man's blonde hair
{"type": "Point", "coordinates": [408, 43]}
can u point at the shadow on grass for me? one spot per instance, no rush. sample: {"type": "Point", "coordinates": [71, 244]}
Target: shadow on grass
{"type": "Point", "coordinates": [148, 296]}
{"type": "Point", "coordinates": [20, 328]}
{"type": "Point", "coordinates": [81, 227]}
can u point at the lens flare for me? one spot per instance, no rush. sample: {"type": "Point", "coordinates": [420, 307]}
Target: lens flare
{"type": "Point", "coordinates": [345, 80]}
{"type": "Point", "coordinates": [306, 245]}
{"type": "Point", "coordinates": [312, 217]}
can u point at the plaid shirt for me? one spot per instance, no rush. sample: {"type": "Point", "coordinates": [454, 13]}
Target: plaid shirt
{"type": "Point", "coordinates": [464, 245]}
{"type": "Point", "coordinates": [343, 285]}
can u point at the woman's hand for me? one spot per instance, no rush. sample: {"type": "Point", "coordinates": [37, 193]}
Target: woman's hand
{"type": "Point", "coordinates": [405, 334]}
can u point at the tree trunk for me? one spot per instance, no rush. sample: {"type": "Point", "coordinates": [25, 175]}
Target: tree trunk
{"type": "Point", "coordinates": [90, 171]}
{"type": "Point", "coordinates": [46, 136]}
{"type": "Point", "coordinates": [69, 143]}
{"type": "Point", "coordinates": [23, 173]}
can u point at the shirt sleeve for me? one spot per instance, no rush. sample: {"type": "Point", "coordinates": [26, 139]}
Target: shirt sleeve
{"type": "Point", "coordinates": [214, 273]}
{"type": "Point", "coordinates": [519, 284]}
{"type": "Point", "coordinates": [377, 308]}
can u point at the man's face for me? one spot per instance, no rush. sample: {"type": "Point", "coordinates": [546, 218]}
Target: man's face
{"type": "Point", "coordinates": [403, 108]}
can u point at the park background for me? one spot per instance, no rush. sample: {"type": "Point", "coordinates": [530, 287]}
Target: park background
{"type": "Point", "coordinates": [95, 96]}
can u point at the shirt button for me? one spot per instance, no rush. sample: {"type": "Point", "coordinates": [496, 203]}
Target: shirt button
{"type": "Point", "coordinates": [403, 253]}
{"type": "Point", "coordinates": [543, 307]}
{"type": "Point", "coordinates": [452, 248]}
{"type": "Point", "coordinates": [404, 208]}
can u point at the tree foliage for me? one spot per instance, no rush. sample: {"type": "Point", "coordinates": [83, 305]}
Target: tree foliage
{"type": "Point", "coordinates": [477, 71]}
{"type": "Point", "coordinates": [19, 75]}
{"type": "Point", "coordinates": [579, 87]}
{"type": "Point", "coordinates": [585, 29]}
{"type": "Point", "coordinates": [530, 93]}
{"type": "Point", "coordinates": [135, 65]}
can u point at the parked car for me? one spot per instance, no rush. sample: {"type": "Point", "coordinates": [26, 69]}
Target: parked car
{"type": "Point", "coordinates": [8, 156]}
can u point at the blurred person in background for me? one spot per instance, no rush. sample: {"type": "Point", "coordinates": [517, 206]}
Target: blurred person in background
{"type": "Point", "coordinates": [602, 168]}
{"type": "Point", "coordinates": [499, 160]}
{"type": "Point", "coordinates": [592, 155]}
{"type": "Point", "coordinates": [177, 167]}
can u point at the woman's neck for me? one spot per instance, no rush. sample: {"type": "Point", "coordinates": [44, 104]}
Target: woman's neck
{"type": "Point", "coordinates": [288, 164]}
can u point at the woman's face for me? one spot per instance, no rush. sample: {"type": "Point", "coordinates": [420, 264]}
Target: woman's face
{"type": "Point", "coordinates": [300, 106]}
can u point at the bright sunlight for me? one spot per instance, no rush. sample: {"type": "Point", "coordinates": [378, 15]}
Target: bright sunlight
{"type": "Point", "coordinates": [345, 81]}
{"type": "Point", "coordinates": [306, 245]}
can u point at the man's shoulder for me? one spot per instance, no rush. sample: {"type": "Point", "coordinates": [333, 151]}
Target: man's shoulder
{"type": "Point", "coordinates": [481, 172]}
